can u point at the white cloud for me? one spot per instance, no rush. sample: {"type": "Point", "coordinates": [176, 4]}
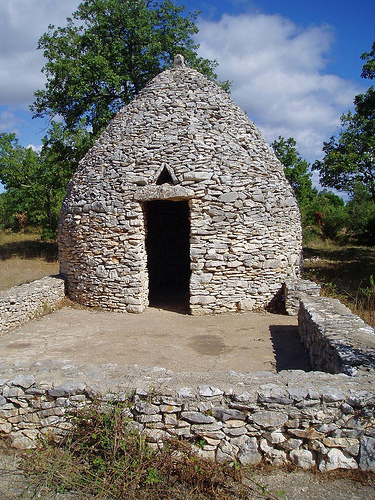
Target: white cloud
{"type": "Point", "coordinates": [22, 22]}
{"type": "Point", "coordinates": [9, 122]}
{"type": "Point", "coordinates": [35, 148]}
{"type": "Point", "coordinates": [277, 74]}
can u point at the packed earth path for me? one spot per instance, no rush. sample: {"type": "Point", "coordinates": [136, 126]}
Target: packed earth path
{"type": "Point", "coordinates": [264, 483]}
{"type": "Point", "coordinates": [244, 342]}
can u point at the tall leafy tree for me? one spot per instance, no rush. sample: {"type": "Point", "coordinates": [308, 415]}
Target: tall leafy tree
{"type": "Point", "coordinates": [106, 54]}
{"type": "Point", "coordinates": [368, 69]}
{"type": "Point", "coordinates": [361, 210]}
{"type": "Point", "coordinates": [35, 182]}
{"type": "Point", "coordinates": [350, 154]}
{"type": "Point", "coordinates": [18, 166]}
{"type": "Point", "coordinates": [297, 170]}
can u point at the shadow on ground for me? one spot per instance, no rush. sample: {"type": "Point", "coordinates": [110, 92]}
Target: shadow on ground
{"type": "Point", "coordinates": [288, 349]}
{"type": "Point", "coordinates": [29, 249]}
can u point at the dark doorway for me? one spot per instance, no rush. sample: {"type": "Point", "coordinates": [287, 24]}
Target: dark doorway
{"type": "Point", "coordinates": [168, 254]}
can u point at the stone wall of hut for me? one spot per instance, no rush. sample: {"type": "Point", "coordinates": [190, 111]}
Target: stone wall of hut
{"type": "Point", "coordinates": [181, 139]}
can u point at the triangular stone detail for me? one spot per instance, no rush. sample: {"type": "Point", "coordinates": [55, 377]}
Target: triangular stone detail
{"type": "Point", "coordinates": [164, 178]}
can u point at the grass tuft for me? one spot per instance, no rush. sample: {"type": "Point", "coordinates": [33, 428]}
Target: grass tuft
{"type": "Point", "coordinates": [24, 257]}
{"type": "Point", "coordinates": [344, 272]}
{"type": "Point", "coordinates": [102, 457]}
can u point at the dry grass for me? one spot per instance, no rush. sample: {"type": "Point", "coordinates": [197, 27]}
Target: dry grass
{"type": "Point", "coordinates": [25, 258]}
{"type": "Point", "coordinates": [345, 272]}
{"type": "Point", "coordinates": [102, 458]}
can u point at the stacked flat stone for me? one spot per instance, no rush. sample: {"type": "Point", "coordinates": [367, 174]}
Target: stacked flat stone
{"type": "Point", "coordinates": [294, 289]}
{"type": "Point", "coordinates": [22, 303]}
{"type": "Point", "coordinates": [308, 419]}
{"type": "Point", "coordinates": [337, 340]}
{"type": "Point", "coordinates": [245, 235]}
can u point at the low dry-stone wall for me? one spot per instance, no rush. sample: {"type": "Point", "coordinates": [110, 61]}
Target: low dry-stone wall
{"type": "Point", "coordinates": [337, 340]}
{"type": "Point", "coordinates": [294, 289]}
{"type": "Point", "coordinates": [309, 419]}
{"type": "Point", "coordinates": [23, 303]}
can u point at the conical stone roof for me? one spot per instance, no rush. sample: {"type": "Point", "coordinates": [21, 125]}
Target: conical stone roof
{"type": "Point", "coordinates": [245, 235]}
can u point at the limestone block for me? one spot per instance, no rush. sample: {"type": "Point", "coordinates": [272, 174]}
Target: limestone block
{"type": "Point", "coordinates": [5, 427]}
{"type": "Point", "coordinates": [367, 454]}
{"type": "Point", "coordinates": [196, 417]}
{"type": "Point", "coordinates": [305, 459]}
{"type": "Point", "coordinates": [269, 419]}
{"type": "Point", "coordinates": [228, 197]}
{"type": "Point", "coordinates": [276, 457]}
{"type": "Point", "coordinates": [185, 392]}
{"type": "Point", "coordinates": [351, 446]}
{"type": "Point", "coordinates": [226, 452]}
{"type": "Point", "coordinates": [210, 391]}
{"type": "Point", "coordinates": [24, 381]}
{"type": "Point", "coordinates": [67, 389]}
{"type": "Point", "coordinates": [246, 304]}
{"type": "Point", "coordinates": [235, 431]}
{"type": "Point", "coordinates": [20, 441]}
{"type": "Point", "coordinates": [225, 414]}
{"type": "Point", "coordinates": [291, 444]}
{"type": "Point", "coordinates": [249, 452]}
{"type": "Point", "coordinates": [337, 459]}
{"type": "Point", "coordinates": [147, 408]}
{"type": "Point", "coordinates": [275, 437]}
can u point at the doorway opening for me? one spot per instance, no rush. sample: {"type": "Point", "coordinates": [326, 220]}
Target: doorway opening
{"type": "Point", "coordinates": [168, 254]}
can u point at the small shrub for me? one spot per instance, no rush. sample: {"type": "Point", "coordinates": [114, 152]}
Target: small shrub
{"type": "Point", "coordinates": [334, 222]}
{"type": "Point", "coordinates": [102, 458]}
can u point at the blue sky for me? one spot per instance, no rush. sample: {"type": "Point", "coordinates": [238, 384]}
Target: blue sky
{"type": "Point", "coordinates": [294, 65]}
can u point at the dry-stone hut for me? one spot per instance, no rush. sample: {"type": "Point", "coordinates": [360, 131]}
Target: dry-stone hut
{"type": "Point", "coordinates": [180, 198]}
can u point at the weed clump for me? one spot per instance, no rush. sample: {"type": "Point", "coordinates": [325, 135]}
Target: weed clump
{"type": "Point", "coordinates": [104, 457]}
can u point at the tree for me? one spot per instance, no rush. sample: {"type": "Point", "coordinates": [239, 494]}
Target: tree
{"type": "Point", "coordinates": [296, 169]}
{"type": "Point", "coordinates": [350, 154]}
{"type": "Point", "coordinates": [35, 182]}
{"type": "Point", "coordinates": [334, 213]}
{"type": "Point", "coordinates": [106, 54]}
{"type": "Point", "coordinates": [361, 210]}
{"type": "Point", "coordinates": [368, 69]}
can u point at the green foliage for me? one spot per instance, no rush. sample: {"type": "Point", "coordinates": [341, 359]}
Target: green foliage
{"type": "Point", "coordinates": [297, 170]}
{"type": "Point", "coordinates": [368, 69]}
{"type": "Point", "coordinates": [106, 54]}
{"type": "Point", "coordinates": [361, 211]}
{"type": "Point", "coordinates": [335, 220]}
{"type": "Point", "coordinates": [36, 182]}
{"type": "Point", "coordinates": [333, 210]}
{"type": "Point", "coordinates": [350, 154]}
{"type": "Point", "coordinates": [102, 458]}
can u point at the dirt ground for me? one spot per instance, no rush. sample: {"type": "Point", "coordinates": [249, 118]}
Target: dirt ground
{"type": "Point", "coordinates": [266, 484]}
{"type": "Point", "coordinates": [243, 342]}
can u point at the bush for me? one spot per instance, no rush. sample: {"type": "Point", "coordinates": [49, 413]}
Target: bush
{"type": "Point", "coordinates": [361, 210]}
{"type": "Point", "coordinates": [102, 457]}
{"type": "Point", "coordinates": [335, 220]}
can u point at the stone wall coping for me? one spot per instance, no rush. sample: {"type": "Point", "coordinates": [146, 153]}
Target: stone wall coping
{"type": "Point", "coordinates": [162, 192]}
{"type": "Point", "coordinates": [337, 340]}
{"type": "Point", "coordinates": [22, 303]}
